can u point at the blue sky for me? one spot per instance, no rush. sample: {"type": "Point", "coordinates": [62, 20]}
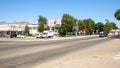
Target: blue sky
{"type": "Point", "coordinates": [29, 10]}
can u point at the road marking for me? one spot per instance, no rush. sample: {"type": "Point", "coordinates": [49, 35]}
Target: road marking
{"type": "Point", "coordinates": [117, 56]}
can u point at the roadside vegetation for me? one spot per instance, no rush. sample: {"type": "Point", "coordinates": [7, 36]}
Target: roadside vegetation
{"type": "Point", "coordinates": [71, 24]}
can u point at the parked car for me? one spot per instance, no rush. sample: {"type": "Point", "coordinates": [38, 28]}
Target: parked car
{"type": "Point", "coordinates": [13, 35]}
{"type": "Point", "coordinates": [39, 35]}
{"type": "Point", "coordinates": [6, 35]}
{"type": "Point", "coordinates": [103, 34]}
{"type": "Point", "coordinates": [0, 35]}
{"type": "Point", "coordinates": [21, 36]}
{"type": "Point", "coordinates": [56, 33]}
{"type": "Point", "coordinates": [47, 34]}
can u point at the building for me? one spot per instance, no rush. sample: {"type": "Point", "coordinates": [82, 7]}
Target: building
{"type": "Point", "coordinates": [33, 28]}
{"type": "Point", "coordinates": [115, 31]}
{"type": "Point", "coordinates": [18, 27]}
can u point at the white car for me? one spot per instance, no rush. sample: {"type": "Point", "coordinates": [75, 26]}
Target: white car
{"type": "Point", "coordinates": [56, 33]}
{"type": "Point", "coordinates": [39, 35]}
{"type": "Point", "coordinates": [47, 34]}
{"type": "Point", "coordinates": [21, 36]}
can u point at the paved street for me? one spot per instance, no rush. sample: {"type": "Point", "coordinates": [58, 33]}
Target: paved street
{"type": "Point", "coordinates": [48, 54]}
{"type": "Point", "coordinates": [59, 34]}
{"type": "Point", "coordinates": [104, 55]}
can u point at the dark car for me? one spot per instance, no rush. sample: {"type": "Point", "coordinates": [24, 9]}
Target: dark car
{"type": "Point", "coordinates": [103, 34]}
{"type": "Point", "coordinates": [13, 35]}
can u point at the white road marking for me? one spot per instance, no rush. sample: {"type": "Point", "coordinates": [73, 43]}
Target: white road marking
{"type": "Point", "coordinates": [117, 56]}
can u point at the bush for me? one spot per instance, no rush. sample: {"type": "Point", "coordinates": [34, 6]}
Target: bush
{"type": "Point", "coordinates": [29, 35]}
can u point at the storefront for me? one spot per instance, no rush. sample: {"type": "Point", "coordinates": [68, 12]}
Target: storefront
{"type": "Point", "coordinates": [18, 28]}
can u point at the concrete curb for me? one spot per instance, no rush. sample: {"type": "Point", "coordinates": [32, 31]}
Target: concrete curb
{"type": "Point", "coordinates": [49, 39]}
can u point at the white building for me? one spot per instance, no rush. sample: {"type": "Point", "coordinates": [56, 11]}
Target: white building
{"type": "Point", "coordinates": [18, 27]}
{"type": "Point", "coordinates": [115, 31]}
{"type": "Point", "coordinates": [33, 28]}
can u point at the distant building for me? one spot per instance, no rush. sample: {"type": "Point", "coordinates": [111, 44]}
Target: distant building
{"type": "Point", "coordinates": [115, 31]}
{"type": "Point", "coordinates": [33, 28]}
{"type": "Point", "coordinates": [18, 27]}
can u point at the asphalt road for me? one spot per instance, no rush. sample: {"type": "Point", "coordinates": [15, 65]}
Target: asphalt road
{"type": "Point", "coordinates": [24, 54]}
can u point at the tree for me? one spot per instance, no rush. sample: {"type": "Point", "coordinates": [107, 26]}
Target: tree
{"type": "Point", "coordinates": [81, 25]}
{"type": "Point", "coordinates": [117, 14]}
{"type": "Point", "coordinates": [114, 25]}
{"type": "Point", "coordinates": [68, 22]}
{"type": "Point", "coordinates": [90, 24]}
{"type": "Point", "coordinates": [99, 27]}
{"type": "Point", "coordinates": [109, 26]}
{"type": "Point", "coordinates": [42, 21]}
{"type": "Point", "coordinates": [26, 30]}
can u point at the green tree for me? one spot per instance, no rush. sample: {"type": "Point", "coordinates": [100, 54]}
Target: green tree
{"type": "Point", "coordinates": [109, 26]}
{"type": "Point", "coordinates": [26, 30]}
{"type": "Point", "coordinates": [99, 27]}
{"type": "Point", "coordinates": [68, 22]}
{"type": "Point", "coordinates": [114, 25]}
{"type": "Point", "coordinates": [117, 14]}
{"type": "Point", "coordinates": [90, 24]}
{"type": "Point", "coordinates": [42, 21]}
{"type": "Point", "coordinates": [81, 25]}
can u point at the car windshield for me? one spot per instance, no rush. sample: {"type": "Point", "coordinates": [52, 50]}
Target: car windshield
{"type": "Point", "coordinates": [45, 33]}
{"type": "Point", "coordinates": [37, 34]}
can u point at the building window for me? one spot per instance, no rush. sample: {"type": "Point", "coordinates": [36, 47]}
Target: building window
{"type": "Point", "coordinates": [34, 28]}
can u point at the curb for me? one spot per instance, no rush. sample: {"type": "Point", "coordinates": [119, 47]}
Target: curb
{"type": "Point", "coordinates": [48, 39]}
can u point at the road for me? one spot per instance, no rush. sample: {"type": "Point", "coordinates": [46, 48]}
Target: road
{"type": "Point", "coordinates": [25, 54]}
